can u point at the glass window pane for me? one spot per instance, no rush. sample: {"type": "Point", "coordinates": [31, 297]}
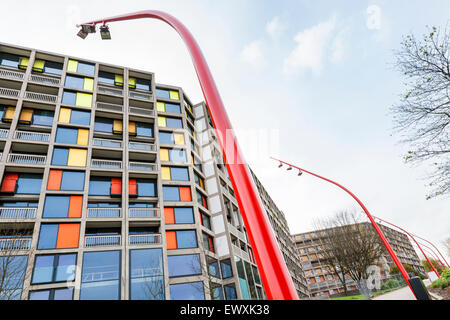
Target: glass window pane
{"type": "Point", "coordinates": [161, 93]}
{"type": "Point", "coordinates": [187, 291]}
{"type": "Point", "coordinates": [177, 155]}
{"type": "Point", "coordinates": [80, 117]}
{"type": "Point", "coordinates": [143, 84]}
{"type": "Point", "coordinates": [72, 181]}
{"type": "Point", "coordinates": [148, 288]}
{"type": "Point", "coordinates": [53, 67]}
{"type": "Point", "coordinates": [171, 193]}
{"type": "Point", "coordinates": [60, 156]}
{"type": "Point", "coordinates": [10, 60]}
{"type": "Point", "coordinates": [86, 68]}
{"type": "Point", "coordinates": [39, 295]}
{"type": "Point", "coordinates": [103, 125]}
{"type": "Point", "coordinates": [217, 293]}
{"type": "Point", "coordinates": [174, 123]}
{"type": "Point", "coordinates": [184, 215]}
{"type": "Point", "coordinates": [100, 290]}
{"type": "Point", "coordinates": [227, 271]}
{"type": "Point", "coordinates": [43, 269]}
{"type": "Point", "coordinates": [180, 174]}
{"type": "Point", "coordinates": [100, 186]}
{"type": "Point", "coordinates": [184, 265]}
{"type": "Point", "coordinates": [186, 239]}
{"type": "Point", "coordinates": [146, 188]}
{"type": "Point", "coordinates": [12, 270]}
{"type": "Point", "coordinates": [230, 292]}
{"type": "Point", "coordinates": [65, 270]}
{"type": "Point", "coordinates": [166, 137]}
{"type": "Point", "coordinates": [144, 130]}
{"type": "Point", "coordinates": [69, 98]}
{"type": "Point", "coordinates": [147, 274]}
{"type": "Point", "coordinates": [74, 82]}
{"type": "Point", "coordinates": [56, 207]}
{"type": "Point", "coordinates": [43, 118]}
{"type": "Point", "coordinates": [48, 236]}
{"type": "Point", "coordinates": [63, 294]}
{"type": "Point", "coordinates": [106, 77]}
{"type": "Point", "coordinates": [213, 269]}
{"type": "Point", "coordinates": [66, 135]}
{"type": "Point", "coordinates": [29, 184]}
{"type": "Point", "coordinates": [173, 108]}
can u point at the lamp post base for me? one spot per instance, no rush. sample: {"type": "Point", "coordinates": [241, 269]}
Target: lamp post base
{"type": "Point", "coordinates": [419, 289]}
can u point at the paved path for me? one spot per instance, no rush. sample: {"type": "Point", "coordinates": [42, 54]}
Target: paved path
{"type": "Point", "coordinates": [400, 294]}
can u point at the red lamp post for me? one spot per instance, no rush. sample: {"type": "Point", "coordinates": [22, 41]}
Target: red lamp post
{"type": "Point", "coordinates": [275, 276]}
{"type": "Point", "coordinates": [371, 218]}
{"type": "Point", "coordinates": [448, 266]}
{"type": "Point", "coordinates": [434, 255]}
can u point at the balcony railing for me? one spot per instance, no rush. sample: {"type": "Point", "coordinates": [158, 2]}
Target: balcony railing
{"type": "Point", "coordinates": [26, 158]}
{"type": "Point", "coordinates": [143, 212]}
{"type": "Point", "coordinates": [44, 79]}
{"type": "Point", "coordinates": [19, 243]}
{"type": "Point", "coordinates": [107, 90]}
{"type": "Point", "coordinates": [152, 238]}
{"type": "Point", "coordinates": [140, 166]}
{"type": "Point", "coordinates": [109, 107]}
{"type": "Point", "coordinates": [101, 241]}
{"type": "Point", "coordinates": [142, 96]}
{"type": "Point", "coordinates": [33, 136]}
{"type": "Point", "coordinates": [107, 143]}
{"type": "Point", "coordinates": [3, 133]}
{"type": "Point", "coordinates": [141, 111]}
{"type": "Point", "coordinates": [104, 212]}
{"type": "Point", "coordinates": [41, 97]}
{"type": "Point", "coordinates": [141, 146]}
{"type": "Point", "coordinates": [11, 74]}
{"type": "Point", "coordinates": [106, 164]}
{"type": "Point", "coordinates": [9, 92]}
{"type": "Point", "coordinates": [17, 213]}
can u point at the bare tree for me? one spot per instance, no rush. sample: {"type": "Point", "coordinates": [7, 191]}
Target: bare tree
{"type": "Point", "coordinates": [348, 246]}
{"type": "Point", "coordinates": [423, 114]}
{"type": "Point", "coordinates": [210, 272]}
{"type": "Point", "coordinates": [447, 245]}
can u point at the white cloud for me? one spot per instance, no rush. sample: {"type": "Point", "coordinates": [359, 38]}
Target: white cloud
{"type": "Point", "coordinates": [312, 48]}
{"type": "Point", "coordinates": [373, 17]}
{"type": "Point", "coordinates": [275, 27]}
{"type": "Point", "coordinates": [252, 54]}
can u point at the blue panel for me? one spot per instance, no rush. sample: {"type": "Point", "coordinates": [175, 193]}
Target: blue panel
{"type": "Point", "coordinates": [48, 236]}
{"type": "Point", "coordinates": [86, 68]}
{"type": "Point", "coordinates": [100, 290]}
{"type": "Point", "coordinates": [230, 292]}
{"type": "Point", "coordinates": [174, 123]}
{"type": "Point", "coordinates": [184, 265]}
{"type": "Point", "coordinates": [80, 117]}
{"type": "Point", "coordinates": [100, 186]}
{"type": "Point", "coordinates": [74, 82]}
{"type": "Point", "coordinates": [166, 137]}
{"type": "Point", "coordinates": [43, 118]}
{"type": "Point", "coordinates": [146, 188]}
{"type": "Point", "coordinates": [144, 130]}
{"type": "Point", "coordinates": [29, 184]}
{"type": "Point", "coordinates": [63, 294]}
{"type": "Point", "coordinates": [217, 293]}
{"type": "Point", "coordinates": [244, 289]}
{"type": "Point", "coordinates": [10, 60]}
{"type": "Point", "coordinates": [161, 93]}
{"type": "Point", "coordinates": [186, 239]}
{"type": "Point", "coordinates": [173, 108]}
{"type": "Point", "coordinates": [171, 193]}
{"type": "Point", "coordinates": [184, 215]}
{"type": "Point", "coordinates": [177, 155]}
{"type": "Point", "coordinates": [72, 181]}
{"type": "Point", "coordinates": [65, 270]}
{"type": "Point", "coordinates": [179, 174]}
{"type": "Point", "coordinates": [103, 125]}
{"type": "Point", "coordinates": [43, 269]}
{"type": "Point", "coordinates": [227, 271]}
{"type": "Point", "coordinates": [56, 207]}
{"type": "Point", "coordinates": [66, 135]}
{"type": "Point", "coordinates": [69, 98]}
{"type": "Point", "coordinates": [187, 291]}
{"type": "Point", "coordinates": [106, 77]}
{"type": "Point", "coordinates": [143, 84]}
{"type": "Point", "coordinates": [146, 263]}
{"type": "Point", "coordinates": [53, 67]}
{"type": "Point", "coordinates": [60, 156]}
{"type": "Point", "coordinates": [39, 295]}
{"type": "Point", "coordinates": [213, 269]}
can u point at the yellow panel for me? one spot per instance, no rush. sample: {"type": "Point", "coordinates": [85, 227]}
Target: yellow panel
{"type": "Point", "coordinates": [77, 157]}
{"type": "Point", "coordinates": [83, 137]}
{"type": "Point", "coordinates": [118, 81]}
{"type": "Point", "coordinates": [64, 115]}
{"type": "Point", "coordinates": [23, 64]}
{"type": "Point", "coordinates": [162, 121]}
{"type": "Point", "coordinates": [179, 138]}
{"type": "Point", "coordinates": [161, 106]}
{"type": "Point", "coordinates": [132, 83]}
{"type": "Point", "coordinates": [165, 173]}
{"type": "Point", "coordinates": [117, 127]}
{"type": "Point", "coordinates": [72, 66]}
{"type": "Point", "coordinates": [131, 128]}
{"type": "Point", "coordinates": [174, 95]}
{"type": "Point", "coordinates": [9, 114]}
{"type": "Point", "coordinates": [88, 84]}
{"type": "Point", "coordinates": [39, 65]}
{"type": "Point", "coordinates": [84, 100]}
{"type": "Point", "coordinates": [26, 115]}
{"type": "Point", "coordinates": [164, 154]}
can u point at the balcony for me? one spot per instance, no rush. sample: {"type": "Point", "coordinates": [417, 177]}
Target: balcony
{"type": "Point", "coordinates": [17, 213]}
{"type": "Point", "coordinates": [11, 74]}
{"type": "Point", "coordinates": [137, 239]}
{"type": "Point", "coordinates": [26, 158]}
{"type": "Point", "coordinates": [109, 107]}
{"type": "Point", "coordinates": [141, 111]}
{"type": "Point", "coordinates": [141, 146]}
{"type": "Point", "coordinates": [107, 143]}
{"type": "Point", "coordinates": [141, 96]}
{"type": "Point", "coordinates": [44, 80]}
{"type": "Point", "coordinates": [141, 166]}
{"type": "Point", "coordinates": [19, 243]}
{"type": "Point", "coordinates": [108, 90]}
{"type": "Point", "coordinates": [40, 97]}
{"type": "Point", "coordinates": [10, 93]}
{"type": "Point", "coordinates": [4, 133]}
{"type": "Point", "coordinates": [143, 213]}
{"type": "Point", "coordinates": [32, 136]}
{"type": "Point", "coordinates": [104, 212]}
{"type": "Point", "coordinates": [102, 241]}
{"type": "Point", "coordinates": [106, 164]}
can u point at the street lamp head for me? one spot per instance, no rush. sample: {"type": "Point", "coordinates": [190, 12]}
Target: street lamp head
{"type": "Point", "coordinates": [300, 173]}
{"type": "Point", "coordinates": [82, 34]}
{"type": "Point", "coordinates": [280, 165]}
{"type": "Point", "coordinates": [290, 168]}
{"type": "Point", "coordinates": [85, 30]}
{"type": "Point", "coordinates": [104, 32]}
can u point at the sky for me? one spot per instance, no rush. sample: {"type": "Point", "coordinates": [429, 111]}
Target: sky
{"type": "Point", "coordinates": [310, 82]}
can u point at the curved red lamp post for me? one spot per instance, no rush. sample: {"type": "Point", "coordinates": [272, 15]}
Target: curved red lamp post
{"type": "Point", "coordinates": [371, 218]}
{"type": "Point", "coordinates": [442, 256]}
{"type": "Point", "coordinates": [414, 239]}
{"type": "Point", "coordinates": [275, 276]}
{"type": "Point", "coordinates": [434, 255]}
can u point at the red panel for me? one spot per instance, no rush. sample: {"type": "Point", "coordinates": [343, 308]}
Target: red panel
{"type": "Point", "coordinates": [185, 194]}
{"type": "Point", "coordinates": [9, 182]}
{"type": "Point", "coordinates": [116, 187]}
{"type": "Point", "coordinates": [75, 205]}
{"type": "Point", "coordinates": [205, 204]}
{"type": "Point", "coordinates": [132, 187]}
{"type": "Point", "coordinates": [169, 215]}
{"type": "Point", "coordinates": [211, 244]}
{"type": "Point", "coordinates": [54, 180]}
{"type": "Point", "coordinates": [171, 240]}
{"type": "Point", "coordinates": [68, 235]}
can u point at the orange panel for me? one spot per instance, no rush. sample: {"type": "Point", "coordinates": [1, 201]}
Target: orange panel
{"type": "Point", "coordinates": [68, 235]}
{"type": "Point", "coordinates": [75, 205]}
{"type": "Point", "coordinates": [132, 187]}
{"type": "Point", "coordinates": [116, 186]}
{"type": "Point", "coordinates": [185, 194]}
{"type": "Point", "coordinates": [169, 215]}
{"type": "Point", "coordinates": [9, 182]}
{"type": "Point", "coordinates": [171, 240]}
{"type": "Point", "coordinates": [54, 180]}
{"type": "Point", "coordinates": [211, 244]}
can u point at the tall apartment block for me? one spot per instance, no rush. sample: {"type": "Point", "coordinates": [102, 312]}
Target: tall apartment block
{"type": "Point", "coordinates": [111, 188]}
{"type": "Point", "coordinates": [322, 282]}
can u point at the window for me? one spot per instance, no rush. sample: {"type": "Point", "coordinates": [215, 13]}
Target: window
{"type": "Point", "coordinates": [59, 236]}
{"type": "Point", "coordinates": [79, 99]}
{"type": "Point", "coordinates": [11, 60]}
{"type": "Point", "coordinates": [79, 83]}
{"type": "Point", "coordinates": [216, 292]}
{"type": "Point", "coordinates": [199, 181]}
{"type": "Point", "coordinates": [170, 122]}
{"type": "Point", "coordinates": [167, 94]}
{"type": "Point", "coordinates": [213, 268]}
{"type": "Point", "coordinates": [8, 114]}
{"type": "Point", "coordinates": [178, 215]}
{"type": "Point", "coordinates": [171, 138]}
{"type": "Point", "coordinates": [110, 78]}
{"type": "Point", "coordinates": [174, 173]}
{"type": "Point", "coordinates": [65, 180]}
{"type": "Point", "coordinates": [101, 186]}
{"type": "Point", "coordinates": [21, 183]}
{"type": "Point", "coordinates": [69, 157]}
{"type": "Point", "coordinates": [142, 129]}
{"type": "Point", "coordinates": [225, 266]}
{"type": "Point", "coordinates": [72, 116]}
{"type": "Point", "coordinates": [62, 207]}
{"type": "Point", "coordinates": [205, 220]}
{"type": "Point", "coordinates": [72, 136]}
{"type": "Point", "coordinates": [140, 84]}
{"type": "Point", "coordinates": [13, 270]}
{"type": "Point", "coordinates": [201, 199]}
{"type": "Point", "coordinates": [208, 242]}
{"type": "Point", "coordinates": [172, 193]}
{"type": "Point", "coordinates": [230, 292]}
{"type": "Point", "coordinates": [173, 155]}
{"type": "Point", "coordinates": [184, 265]}
{"type": "Point", "coordinates": [187, 291]}
{"type": "Point", "coordinates": [168, 107]}
{"type": "Point", "coordinates": [181, 239]}
{"type": "Point", "coordinates": [54, 268]}
{"type": "Point", "coordinates": [47, 67]}
{"type": "Point", "coordinates": [146, 275]}
{"type": "Point", "coordinates": [242, 281]}
{"type": "Point", "coordinates": [52, 294]}
{"type": "Point", "coordinates": [146, 188]}
{"type": "Point", "coordinates": [32, 116]}
{"type": "Point", "coordinates": [100, 278]}
{"type": "Point", "coordinates": [81, 67]}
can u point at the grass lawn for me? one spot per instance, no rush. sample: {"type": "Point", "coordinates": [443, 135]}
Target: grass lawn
{"type": "Point", "coordinates": [358, 297]}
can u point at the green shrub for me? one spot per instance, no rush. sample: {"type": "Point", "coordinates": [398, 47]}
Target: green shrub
{"type": "Point", "coordinates": [441, 283]}
{"type": "Point", "coordinates": [390, 284]}
{"type": "Point", "coordinates": [446, 273]}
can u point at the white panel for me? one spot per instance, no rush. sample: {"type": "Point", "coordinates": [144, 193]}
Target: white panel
{"type": "Point", "coordinates": [208, 169]}
{"type": "Point", "coordinates": [200, 125]}
{"type": "Point", "coordinates": [218, 224]}
{"type": "Point", "coordinates": [203, 138]}
{"type": "Point", "coordinates": [211, 186]}
{"type": "Point", "coordinates": [214, 204]}
{"type": "Point", "coordinates": [198, 111]}
{"type": "Point", "coordinates": [206, 153]}
{"type": "Point", "coordinates": [222, 248]}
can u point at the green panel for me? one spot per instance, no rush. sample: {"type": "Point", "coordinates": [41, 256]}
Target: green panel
{"type": "Point", "coordinates": [84, 100]}
{"type": "Point", "coordinates": [72, 66]}
{"type": "Point", "coordinates": [88, 84]}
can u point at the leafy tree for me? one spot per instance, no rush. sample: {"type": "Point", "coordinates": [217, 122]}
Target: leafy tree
{"type": "Point", "coordinates": [423, 114]}
{"type": "Point", "coordinates": [435, 264]}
